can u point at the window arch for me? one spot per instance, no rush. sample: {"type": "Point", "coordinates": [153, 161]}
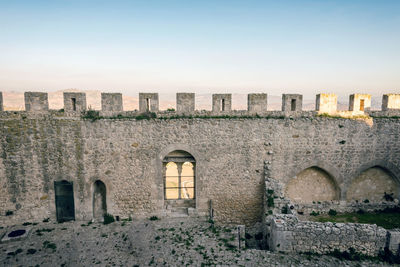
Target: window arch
{"type": "Point", "coordinates": [179, 177]}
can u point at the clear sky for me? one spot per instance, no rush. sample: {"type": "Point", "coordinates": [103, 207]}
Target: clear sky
{"type": "Point", "coordinates": [304, 46]}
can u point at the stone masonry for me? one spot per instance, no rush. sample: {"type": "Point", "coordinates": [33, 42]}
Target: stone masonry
{"type": "Point", "coordinates": [35, 101]}
{"type": "Point", "coordinates": [111, 102]}
{"type": "Point", "coordinates": [292, 102]}
{"type": "Point", "coordinates": [291, 235]}
{"type": "Point", "coordinates": [1, 102]}
{"type": "Point", "coordinates": [148, 102]}
{"type": "Point", "coordinates": [257, 102]}
{"type": "Point", "coordinates": [74, 102]}
{"type": "Point", "coordinates": [185, 102]}
{"type": "Point", "coordinates": [38, 149]}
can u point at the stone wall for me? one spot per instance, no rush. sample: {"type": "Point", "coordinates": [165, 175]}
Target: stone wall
{"type": "Point", "coordinates": [126, 155]}
{"type": "Point", "coordinates": [288, 234]}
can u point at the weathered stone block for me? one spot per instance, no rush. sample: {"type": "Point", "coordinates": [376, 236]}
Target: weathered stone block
{"type": "Point", "coordinates": [393, 241]}
{"type": "Point", "coordinates": [111, 102]}
{"type": "Point", "coordinates": [185, 102]}
{"type": "Point", "coordinates": [74, 102]}
{"type": "Point", "coordinates": [292, 102]}
{"type": "Point", "coordinates": [221, 102]}
{"type": "Point", "coordinates": [390, 101]}
{"type": "Point", "coordinates": [257, 102]}
{"type": "Point", "coordinates": [326, 103]}
{"type": "Point", "coordinates": [148, 102]}
{"type": "Point", "coordinates": [359, 102]}
{"type": "Point", "coordinates": [35, 101]}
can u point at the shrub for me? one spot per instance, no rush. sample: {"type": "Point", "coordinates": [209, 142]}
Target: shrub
{"type": "Point", "coordinates": [366, 201]}
{"type": "Point", "coordinates": [332, 212]}
{"type": "Point", "coordinates": [108, 218]}
{"type": "Point", "coordinates": [388, 197]}
{"type": "Point", "coordinates": [91, 114]}
{"type": "Point", "coordinates": [153, 218]}
{"type": "Point", "coordinates": [313, 213]}
{"type": "Point", "coordinates": [9, 212]}
{"type": "Point", "coordinates": [284, 210]}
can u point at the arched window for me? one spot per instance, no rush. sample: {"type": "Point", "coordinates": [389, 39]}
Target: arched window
{"type": "Point", "coordinates": [179, 177]}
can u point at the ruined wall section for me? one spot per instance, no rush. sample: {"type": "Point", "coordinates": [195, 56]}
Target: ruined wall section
{"type": "Point", "coordinates": [291, 235]}
{"type": "Point", "coordinates": [126, 156]}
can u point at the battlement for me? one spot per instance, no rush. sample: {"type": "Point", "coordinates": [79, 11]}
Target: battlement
{"type": "Point", "coordinates": [111, 104]}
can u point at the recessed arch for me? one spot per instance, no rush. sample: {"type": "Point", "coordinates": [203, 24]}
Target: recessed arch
{"type": "Point", "coordinates": [371, 184]}
{"type": "Point", "coordinates": [311, 185]}
{"type": "Point", "coordinates": [99, 199]}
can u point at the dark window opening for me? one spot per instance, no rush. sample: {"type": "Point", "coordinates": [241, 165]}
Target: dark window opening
{"type": "Point", "coordinates": [73, 100]}
{"type": "Point", "coordinates": [223, 105]}
{"type": "Point", "coordinates": [293, 105]}
{"type": "Point", "coordinates": [362, 104]}
{"type": "Point", "coordinates": [147, 104]}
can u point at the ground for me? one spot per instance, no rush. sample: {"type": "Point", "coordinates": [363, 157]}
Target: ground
{"type": "Point", "coordinates": [164, 242]}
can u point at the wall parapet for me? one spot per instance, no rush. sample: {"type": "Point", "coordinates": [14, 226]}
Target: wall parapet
{"type": "Point", "coordinates": [257, 104]}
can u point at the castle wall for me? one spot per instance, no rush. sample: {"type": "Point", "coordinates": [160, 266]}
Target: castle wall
{"type": "Point", "coordinates": [126, 155]}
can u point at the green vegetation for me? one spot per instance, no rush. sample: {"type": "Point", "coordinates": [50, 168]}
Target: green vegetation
{"type": "Point", "coordinates": [9, 212]}
{"type": "Point", "coordinates": [108, 218]}
{"type": "Point", "coordinates": [153, 218]}
{"type": "Point", "coordinates": [388, 218]}
{"type": "Point", "coordinates": [48, 244]}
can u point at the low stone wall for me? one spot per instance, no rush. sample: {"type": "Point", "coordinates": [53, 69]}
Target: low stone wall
{"type": "Point", "coordinates": [288, 234]}
{"type": "Point", "coordinates": [341, 206]}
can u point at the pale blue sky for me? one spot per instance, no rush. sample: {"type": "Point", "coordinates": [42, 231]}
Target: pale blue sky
{"type": "Point", "coordinates": [164, 46]}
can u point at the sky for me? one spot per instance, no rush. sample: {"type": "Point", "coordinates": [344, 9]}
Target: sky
{"type": "Point", "coordinates": [208, 46]}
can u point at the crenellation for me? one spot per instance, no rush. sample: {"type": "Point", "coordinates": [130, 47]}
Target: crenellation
{"type": "Point", "coordinates": [1, 101]}
{"type": "Point", "coordinates": [148, 102]}
{"type": "Point", "coordinates": [326, 103]}
{"type": "Point", "coordinates": [74, 102]}
{"type": "Point", "coordinates": [390, 102]}
{"type": "Point", "coordinates": [185, 102]}
{"type": "Point", "coordinates": [221, 103]}
{"type": "Point", "coordinates": [36, 101]}
{"type": "Point", "coordinates": [292, 102]}
{"type": "Point", "coordinates": [359, 102]}
{"type": "Point", "coordinates": [257, 102]}
{"type": "Point", "coordinates": [111, 102]}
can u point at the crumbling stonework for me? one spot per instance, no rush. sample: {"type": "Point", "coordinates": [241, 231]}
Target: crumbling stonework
{"type": "Point", "coordinates": [288, 234]}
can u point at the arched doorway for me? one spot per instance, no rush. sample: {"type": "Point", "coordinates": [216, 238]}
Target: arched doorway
{"type": "Point", "coordinates": [312, 185]}
{"type": "Point", "coordinates": [99, 200]}
{"type": "Point", "coordinates": [179, 180]}
{"type": "Point", "coordinates": [65, 208]}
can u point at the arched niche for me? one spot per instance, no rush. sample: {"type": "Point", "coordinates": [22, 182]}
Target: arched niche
{"type": "Point", "coordinates": [312, 185]}
{"type": "Point", "coordinates": [99, 200]}
{"type": "Point", "coordinates": [372, 184]}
